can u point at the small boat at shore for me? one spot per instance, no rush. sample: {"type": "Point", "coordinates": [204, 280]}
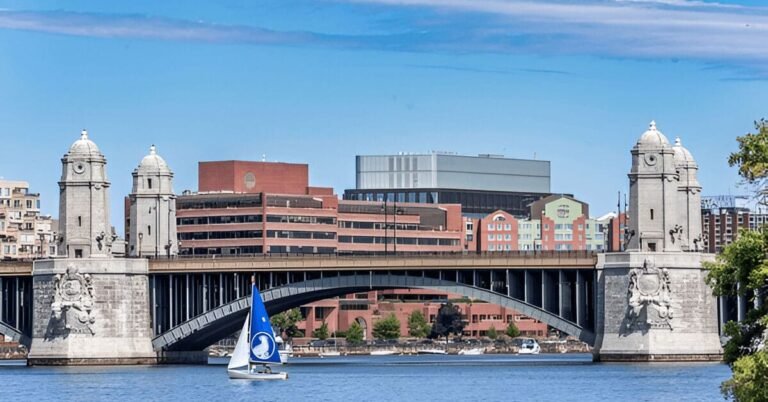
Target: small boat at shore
{"type": "Point", "coordinates": [431, 352]}
{"type": "Point", "coordinates": [472, 352]}
{"type": "Point", "coordinates": [384, 352]}
{"type": "Point", "coordinates": [256, 346]}
{"type": "Point", "coordinates": [329, 353]}
{"type": "Point", "coordinates": [529, 346]}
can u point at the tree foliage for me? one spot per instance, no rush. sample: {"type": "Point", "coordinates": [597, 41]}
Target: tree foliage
{"type": "Point", "coordinates": [322, 332]}
{"type": "Point", "coordinates": [752, 156]}
{"type": "Point", "coordinates": [284, 323]}
{"type": "Point", "coordinates": [387, 328]}
{"type": "Point", "coordinates": [355, 334]}
{"type": "Point", "coordinates": [742, 269]}
{"type": "Point", "coordinates": [418, 326]}
{"type": "Point", "coordinates": [492, 333]}
{"type": "Point", "coordinates": [512, 330]}
{"type": "Point", "coordinates": [448, 321]}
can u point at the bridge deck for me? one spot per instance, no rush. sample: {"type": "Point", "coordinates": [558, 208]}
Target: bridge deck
{"type": "Point", "coordinates": [540, 260]}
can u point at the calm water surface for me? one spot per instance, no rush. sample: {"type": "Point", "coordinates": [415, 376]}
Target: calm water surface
{"type": "Point", "coordinates": [380, 378]}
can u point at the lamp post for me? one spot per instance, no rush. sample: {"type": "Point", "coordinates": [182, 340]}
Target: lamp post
{"type": "Point", "coordinates": [384, 208]}
{"type": "Point", "coordinates": [396, 212]}
{"type": "Point", "coordinates": [42, 244]}
{"type": "Point", "coordinates": [141, 237]}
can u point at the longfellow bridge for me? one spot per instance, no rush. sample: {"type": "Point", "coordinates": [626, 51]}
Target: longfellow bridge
{"type": "Point", "coordinates": [195, 302]}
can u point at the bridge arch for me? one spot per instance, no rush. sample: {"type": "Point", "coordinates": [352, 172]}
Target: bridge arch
{"type": "Point", "coordinates": [205, 329]}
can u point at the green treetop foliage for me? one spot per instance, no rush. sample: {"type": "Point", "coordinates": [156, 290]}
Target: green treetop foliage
{"type": "Point", "coordinates": [387, 328]}
{"type": "Point", "coordinates": [418, 326]}
{"type": "Point", "coordinates": [512, 330]}
{"type": "Point", "coordinates": [285, 322]}
{"type": "Point", "coordinates": [448, 321]}
{"type": "Point", "coordinates": [752, 156]}
{"type": "Point", "coordinates": [492, 333]}
{"type": "Point", "coordinates": [355, 334]}
{"type": "Point", "coordinates": [742, 269]}
{"type": "Point", "coordinates": [322, 332]}
{"type": "Point", "coordinates": [741, 262]}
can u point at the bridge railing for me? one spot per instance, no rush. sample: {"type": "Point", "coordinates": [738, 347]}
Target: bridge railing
{"type": "Point", "coordinates": [461, 254]}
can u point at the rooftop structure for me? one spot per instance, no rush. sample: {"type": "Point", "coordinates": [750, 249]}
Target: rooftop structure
{"type": "Point", "coordinates": [481, 184]}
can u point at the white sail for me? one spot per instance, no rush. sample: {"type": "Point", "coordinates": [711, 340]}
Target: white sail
{"type": "Point", "coordinates": [240, 356]}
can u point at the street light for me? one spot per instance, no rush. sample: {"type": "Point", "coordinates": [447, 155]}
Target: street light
{"type": "Point", "coordinates": [384, 208]}
{"type": "Point", "coordinates": [141, 237]}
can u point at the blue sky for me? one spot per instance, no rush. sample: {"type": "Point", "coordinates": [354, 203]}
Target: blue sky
{"type": "Point", "coordinates": [574, 82]}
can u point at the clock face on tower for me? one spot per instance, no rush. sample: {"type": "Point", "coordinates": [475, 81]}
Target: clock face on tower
{"type": "Point", "coordinates": [78, 167]}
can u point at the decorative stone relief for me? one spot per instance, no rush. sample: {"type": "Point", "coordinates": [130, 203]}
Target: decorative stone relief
{"type": "Point", "coordinates": [73, 301]}
{"type": "Point", "coordinates": [649, 286]}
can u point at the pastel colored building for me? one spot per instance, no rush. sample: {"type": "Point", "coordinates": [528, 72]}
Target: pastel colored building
{"type": "Point", "coordinates": [24, 232]}
{"type": "Point", "coordinates": [557, 223]}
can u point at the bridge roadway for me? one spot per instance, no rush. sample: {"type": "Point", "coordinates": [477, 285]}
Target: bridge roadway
{"type": "Point", "coordinates": [196, 301]}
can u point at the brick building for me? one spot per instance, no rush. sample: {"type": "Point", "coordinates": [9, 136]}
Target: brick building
{"type": "Point", "coordinates": [267, 207]}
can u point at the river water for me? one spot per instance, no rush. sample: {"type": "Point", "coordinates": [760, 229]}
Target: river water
{"type": "Point", "coordinates": [569, 377]}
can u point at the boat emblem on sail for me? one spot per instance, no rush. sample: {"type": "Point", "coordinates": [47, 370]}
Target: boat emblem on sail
{"type": "Point", "coordinates": [263, 346]}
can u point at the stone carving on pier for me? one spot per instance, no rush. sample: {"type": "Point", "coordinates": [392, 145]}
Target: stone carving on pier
{"type": "Point", "coordinates": [649, 286]}
{"type": "Point", "coordinates": [73, 301]}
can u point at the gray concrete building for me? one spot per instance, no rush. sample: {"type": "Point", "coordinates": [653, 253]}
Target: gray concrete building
{"type": "Point", "coordinates": [482, 184]}
{"type": "Point", "coordinates": [152, 209]}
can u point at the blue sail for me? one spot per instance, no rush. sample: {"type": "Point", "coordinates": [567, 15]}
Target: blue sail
{"type": "Point", "coordinates": [263, 348]}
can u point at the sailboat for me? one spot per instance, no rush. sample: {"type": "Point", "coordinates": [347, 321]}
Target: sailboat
{"type": "Point", "coordinates": [256, 346]}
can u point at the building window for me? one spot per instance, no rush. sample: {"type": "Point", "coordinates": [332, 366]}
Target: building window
{"type": "Point", "coordinates": [79, 221]}
{"type": "Point", "coordinates": [491, 226]}
{"type": "Point", "coordinates": [149, 230]}
{"type": "Point", "coordinates": [651, 214]}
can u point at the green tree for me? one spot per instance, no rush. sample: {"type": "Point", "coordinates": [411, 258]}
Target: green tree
{"type": "Point", "coordinates": [492, 333]}
{"type": "Point", "coordinates": [512, 330]}
{"type": "Point", "coordinates": [448, 321]}
{"type": "Point", "coordinates": [752, 156]}
{"type": "Point", "coordinates": [418, 326]}
{"type": "Point", "coordinates": [285, 322]}
{"type": "Point", "coordinates": [387, 328]}
{"type": "Point", "coordinates": [322, 332]}
{"type": "Point", "coordinates": [355, 334]}
{"type": "Point", "coordinates": [742, 269]}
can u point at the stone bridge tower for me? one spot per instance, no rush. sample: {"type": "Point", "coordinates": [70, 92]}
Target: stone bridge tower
{"type": "Point", "coordinates": [652, 301]}
{"type": "Point", "coordinates": [153, 209]}
{"type": "Point", "coordinates": [89, 307]}
{"type": "Point", "coordinates": [84, 228]}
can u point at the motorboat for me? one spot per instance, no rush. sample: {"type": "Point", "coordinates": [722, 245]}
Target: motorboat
{"type": "Point", "coordinates": [529, 346]}
{"type": "Point", "coordinates": [329, 353]}
{"type": "Point", "coordinates": [383, 352]}
{"type": "Point", "coordinates": [256, 346]}
{"type": "Point", "coordinates": [431, 352]}
{"type": "Point", "coordinates": [285, 349]}
{"type": "Point", "coordinates": [472, 352]}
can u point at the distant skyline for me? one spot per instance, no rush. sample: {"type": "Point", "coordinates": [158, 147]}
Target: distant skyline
{"type": "Point", "coordinates": [320, 81]}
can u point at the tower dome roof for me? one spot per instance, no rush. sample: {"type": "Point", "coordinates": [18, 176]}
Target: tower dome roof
{"type": "Point", "coordinates": [682, 155]}
{"type": "Point", "coordinates": [84, 146]}
{"type": "Point", "coordinates": [153, 162]}
{"type": "Point", "coordinates": [652, 137]}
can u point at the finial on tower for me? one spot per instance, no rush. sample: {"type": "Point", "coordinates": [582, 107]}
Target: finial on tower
{"type": "Point", "coordinates": [84, 134]}
{"type": "Point", "coordinates": [652, 127]}
{"type": "Point", "coordinates": [152, 150]}
{"type": "Point", "coordinates": [678, 143]}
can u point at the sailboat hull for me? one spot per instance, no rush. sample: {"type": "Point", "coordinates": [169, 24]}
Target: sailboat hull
{"type": "Point", "coordinates": [244, 374]}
